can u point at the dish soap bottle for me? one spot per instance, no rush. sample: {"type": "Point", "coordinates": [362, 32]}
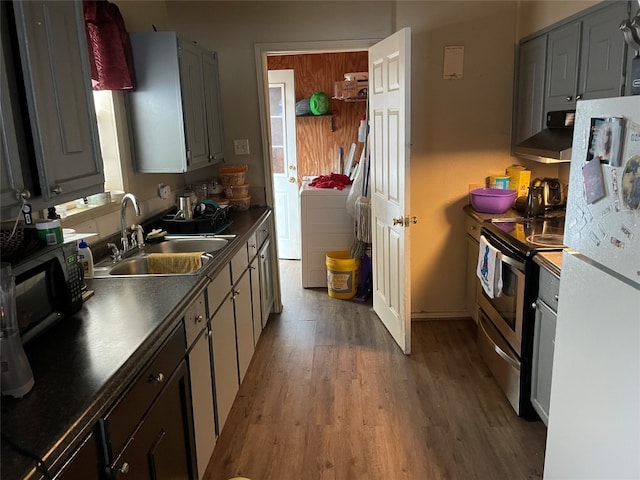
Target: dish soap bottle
{"type": "Point", "coordinates": [85, 257]}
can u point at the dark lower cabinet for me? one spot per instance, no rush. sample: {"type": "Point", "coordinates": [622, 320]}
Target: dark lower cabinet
{"type": "Point", "coordinates": [84, 463]}
{"type": "Point", "coordinates": [148, 435]}
{"type": "Point", "coordinates": [162, 446]}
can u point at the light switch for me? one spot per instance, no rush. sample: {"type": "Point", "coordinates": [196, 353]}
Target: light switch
{"type": "Point", "coordinates": [241, 147]}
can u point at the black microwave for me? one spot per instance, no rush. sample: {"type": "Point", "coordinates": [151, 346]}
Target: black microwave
{"type": "Point", "coordinates": [48, 288]}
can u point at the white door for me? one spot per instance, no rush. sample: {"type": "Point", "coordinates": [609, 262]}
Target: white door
{"type": "Point", "coordinates": [282, 115]}
{"type": "Point", "coordinates": [389, 117]}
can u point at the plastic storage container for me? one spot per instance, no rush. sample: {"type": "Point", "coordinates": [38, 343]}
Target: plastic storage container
{"type": "Point", "coordinates": [233, 175]}
{"type": "Point", "coordinates": [342, 275]}
{"type": "Point", "coordinates": [240, 204]}
{"type": "Point", "coordinates": [237, 191]}
{"type": "Point", "coordinates": [50, 231]}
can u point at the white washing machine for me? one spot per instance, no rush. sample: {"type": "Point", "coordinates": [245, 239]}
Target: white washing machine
{"type": "Point", "coordinates": [326, 226]}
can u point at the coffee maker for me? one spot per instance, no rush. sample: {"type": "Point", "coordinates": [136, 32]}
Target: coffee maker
{"type": "Point", "coordinates": [16, 378]}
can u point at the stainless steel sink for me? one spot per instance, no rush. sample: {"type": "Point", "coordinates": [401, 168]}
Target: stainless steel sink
{"type": "Point", "coordinates": [136, 263]}
{"type": "Point", "coordinates": [186, 245]}
{"type": "Point", "coordinates": [139, 266]}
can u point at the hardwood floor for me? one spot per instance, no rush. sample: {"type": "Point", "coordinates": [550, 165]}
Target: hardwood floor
{"type": "Point", "coordinates": [329, 395]}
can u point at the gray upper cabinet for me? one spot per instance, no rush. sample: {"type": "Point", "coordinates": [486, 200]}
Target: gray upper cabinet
{"type": "Point", "coordinates": [562, 67]}
{"type": "Point", "coordinates": [602, 55]}
{"type": "Point", "coordinates": [50, 140]}
{"type": "Point", "coordinates": [529, 118]}
{"type": "Point", "coordinates": [586, 58]}
{"type": "Point", "coordinates": [170, 110]}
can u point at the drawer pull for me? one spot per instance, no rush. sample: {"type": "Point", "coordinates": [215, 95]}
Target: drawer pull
{"type": "Point", "coordinates": [124, 469]}
{"type": "Point", "coordinates": [159, 378]}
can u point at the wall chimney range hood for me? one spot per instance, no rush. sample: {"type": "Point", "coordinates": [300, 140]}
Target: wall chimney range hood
{"type": "Point", "coordinates": [553, 144]}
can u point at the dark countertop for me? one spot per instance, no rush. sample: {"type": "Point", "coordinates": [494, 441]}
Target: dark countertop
{"type": "Point", "coordinates": [82, 365]}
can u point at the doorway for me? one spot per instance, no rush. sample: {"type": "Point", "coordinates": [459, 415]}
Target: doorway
{"type": "Point", "coordinates": [390, 82]}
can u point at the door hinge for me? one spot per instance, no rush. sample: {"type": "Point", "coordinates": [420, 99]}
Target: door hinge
{"type": "Point", "coordinates": [405, 221]}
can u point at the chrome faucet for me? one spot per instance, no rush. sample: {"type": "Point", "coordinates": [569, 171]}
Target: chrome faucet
{"type": "Point", "coordinates": [123, 218]}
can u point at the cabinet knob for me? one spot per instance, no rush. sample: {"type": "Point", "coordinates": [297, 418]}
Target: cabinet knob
{"type": "Point", "coordinates": [534, 305]}
{"type": "Point", "coordinates": [23, 194]}
{"type": "Point", "coordinates": [557, 297]}
{"type": "Point", "coordinates": [124, 469]}
{"type": "Point", "coordinates": [159, 378]}
{"type": "Point", "coordinates": [57, 189]}
{"type": "Point", "coordinates": [578, 97]}
{"type": "Point", "coordinates": [569, 98]}
{"type": "Point", "coordinates": [198, 318]}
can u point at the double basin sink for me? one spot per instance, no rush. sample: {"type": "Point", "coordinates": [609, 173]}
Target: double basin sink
{"type": "Point", "coordinates": [136, 263]}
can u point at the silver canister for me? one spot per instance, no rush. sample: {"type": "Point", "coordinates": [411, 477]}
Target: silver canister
{"type": "Point", "coordinates": [185, 206]}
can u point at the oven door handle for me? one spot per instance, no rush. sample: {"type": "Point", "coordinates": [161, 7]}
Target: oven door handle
{"type": "Point", "coordinates": [511, 261]}
{"type": "Point", "coordinates": [504, 355]}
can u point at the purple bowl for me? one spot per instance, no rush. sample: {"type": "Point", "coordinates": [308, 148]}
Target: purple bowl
{"type": "Point", "coordinates": [492, 200]}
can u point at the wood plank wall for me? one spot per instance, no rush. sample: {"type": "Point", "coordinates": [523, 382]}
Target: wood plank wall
{"type": "Point", "coordinates": [316, 143]}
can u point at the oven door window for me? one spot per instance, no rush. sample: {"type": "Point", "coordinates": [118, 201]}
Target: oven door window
{"type": "Point", "coordinates": [506, 305]}
{"type": "Point", "coordinates": [506, 311]}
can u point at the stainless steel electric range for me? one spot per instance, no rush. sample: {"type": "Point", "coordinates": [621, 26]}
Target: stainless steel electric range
{"type": "Point", "coordinates": [506, 322]}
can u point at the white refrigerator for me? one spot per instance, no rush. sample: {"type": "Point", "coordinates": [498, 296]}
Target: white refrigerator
{"type": "Point", "coordinates": [594, 414]}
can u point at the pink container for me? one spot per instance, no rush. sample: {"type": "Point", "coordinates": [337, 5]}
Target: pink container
{"type": "Point", "coordinates": [492, 200]}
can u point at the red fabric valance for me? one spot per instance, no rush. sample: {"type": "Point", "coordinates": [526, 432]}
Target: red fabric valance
{"type": "Point", "coordinates": [109, 47]}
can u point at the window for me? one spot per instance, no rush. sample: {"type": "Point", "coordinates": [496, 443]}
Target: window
{"type": "Point", "coordinates": [111, 118]}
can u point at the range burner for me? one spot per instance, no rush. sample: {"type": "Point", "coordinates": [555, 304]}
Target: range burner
{"type": "Point", "coordinates": [546, 240]}
{"type": "Point", "coordinates": [530, 235]}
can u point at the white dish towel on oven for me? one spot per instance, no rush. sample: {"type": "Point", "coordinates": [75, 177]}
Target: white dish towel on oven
{"type": "Point", "coordinates": [489, 269]}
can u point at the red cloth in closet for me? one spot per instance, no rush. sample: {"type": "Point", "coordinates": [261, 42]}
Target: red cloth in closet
{"type": "Point", "coordinates": [334, 180]}
{"type": "Point", "coordinates": [109, 47]}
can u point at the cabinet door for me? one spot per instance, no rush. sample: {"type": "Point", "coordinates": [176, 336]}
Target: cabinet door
{"type": "Point", "coordinates": [213, 107]}
{"type": "Point", "coordinates": [244, 323]}
{"type": "Point", "coordinates": [266, 281]}
{"type": "Point", "coordinates": [544, 338]}
{"type": "Point", "coordinates": [529, 103]}
{"type": "Point", "coordinates": [225, 360]}
{"type": "Point", "coordinates": [53, 47]}
{"type": "Point", "coordinates": [163, 446]}
{"type": "Point", "coordinates": [603, 53]}
{"type": "Point", "coordinates": [11, 148]}
{"type": "Point", "coordinates": [562, 68]}
{"type": "Point", "coordinates": [256, 301]}
{"type": "Point", "coordinates": [204, 426]}
{"type": "Point", "coordinates": [84, 463]}
{"type": "Point", "coordinates": [195, 118]}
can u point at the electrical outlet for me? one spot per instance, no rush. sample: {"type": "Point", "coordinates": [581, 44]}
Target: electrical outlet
{"type": "Point", "coordinates": [164, 191]}
{"type": "Point", "coordinates": [241, 147]}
